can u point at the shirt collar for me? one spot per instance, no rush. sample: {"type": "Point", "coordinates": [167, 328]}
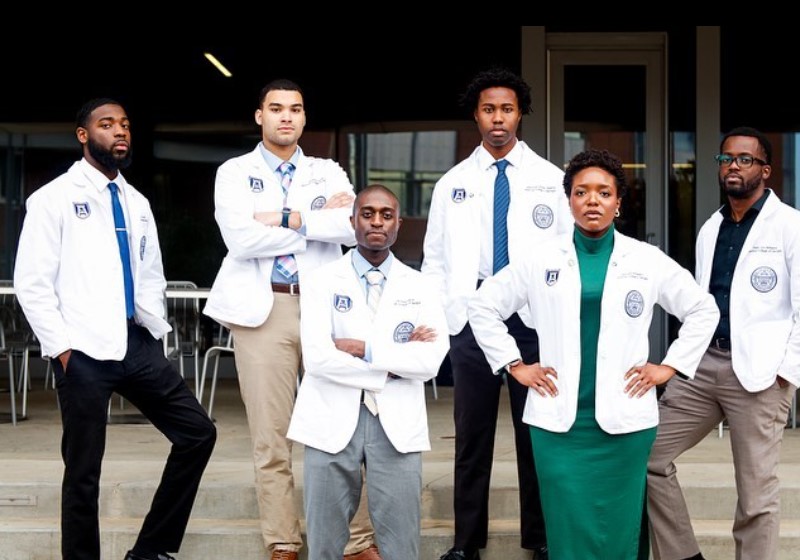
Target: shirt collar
{"type": "Point", "coordinates": [754, 209]}
{"type": "Point", "coordinates": [362, 265]}
{"type": "Point", "coordinates": [273, 161]}
{"type": "Point", "coordinates": [97, 179]}
{"type": "Point", "coordinates": [514, 157]}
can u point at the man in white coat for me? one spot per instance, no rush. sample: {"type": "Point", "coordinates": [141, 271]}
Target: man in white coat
{"type": "Point", "coordinates": [373, 332]}
{"type": "Point", "coordinates": [748, 258]}
{"type": "Point", "coordinates": [281, 214]}
{"type": "Point", "coordinates": [494, 207]}
{"type": "Point", "coordinates": [89, 278]}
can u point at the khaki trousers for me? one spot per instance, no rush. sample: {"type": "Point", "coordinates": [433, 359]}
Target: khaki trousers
{"type": "Point", "coordinates": [689, 411]}
{"type": "Point", "coordinates": [268, 361]}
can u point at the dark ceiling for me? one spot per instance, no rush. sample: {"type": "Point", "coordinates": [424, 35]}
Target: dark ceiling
{"type": "Point", "coordinates": [353, 76]}
{"type": "Point", "coordinates": [381, 76]}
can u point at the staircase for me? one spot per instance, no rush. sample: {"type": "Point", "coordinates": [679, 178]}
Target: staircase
{"type": "Point", "coordinates": [225, 517]}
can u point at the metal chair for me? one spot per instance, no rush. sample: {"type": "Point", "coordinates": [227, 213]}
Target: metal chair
{"type": "Point", "coordinates": [435, 391]}
{"type": "Point", "coordinates": [17, 342]}
{"type": "Point", "coordinates": [184, 316]}
{"type": "Point", "coordinates": [5, 352]}
{"type": "Point", "coordinates": [214, 352]}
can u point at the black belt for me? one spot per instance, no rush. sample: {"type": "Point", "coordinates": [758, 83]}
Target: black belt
{"type": "Point", "coordinates": [720, 343]}
{"type": "Point", "coordinates": [292, 289]}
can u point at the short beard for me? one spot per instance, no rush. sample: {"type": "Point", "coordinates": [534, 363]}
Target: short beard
{"type": "Point", "coordinates": [107, 159]}
{"type": "Point", "coordinates": [743, 192]}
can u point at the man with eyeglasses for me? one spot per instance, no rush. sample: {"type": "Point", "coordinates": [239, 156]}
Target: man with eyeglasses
{"type": "Point", "coordinates": [748, 257]}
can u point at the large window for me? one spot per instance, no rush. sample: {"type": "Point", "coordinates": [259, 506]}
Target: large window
{"type": "Point", "coordinates": [408, 158]}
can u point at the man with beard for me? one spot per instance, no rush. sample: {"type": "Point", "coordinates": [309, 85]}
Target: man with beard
{"type": "Point", "coordinates": [282, 214]}
{"type": "Point", "coordinates": [90, 280]}
{"type": "Point", "coordinates": [495, 207]}
{"type": "Point", "coordinates": [748, 257]}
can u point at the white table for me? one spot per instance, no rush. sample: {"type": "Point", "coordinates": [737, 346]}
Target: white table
{"type": "Point", "coordinates": [199, 293]}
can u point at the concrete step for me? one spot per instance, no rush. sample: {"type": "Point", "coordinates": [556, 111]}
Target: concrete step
{"type": "Point", "coordinates": [227, 489]}
{"type": "Point", "coordinates": [211, 539]}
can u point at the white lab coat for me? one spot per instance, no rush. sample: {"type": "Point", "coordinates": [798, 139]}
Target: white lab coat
{"type": "Point", "coordinates": [639, 276]}
{"type": "Point", "coordinates": [68, 275]}
{"type": "Point", "coordinates": [334, 305]}
{"type": "Point", "coordinates": [765, 295]}
{"type": "Point", "coordinates": [538, 211]}
{"type": "Point", "coordinates": [242, 292]}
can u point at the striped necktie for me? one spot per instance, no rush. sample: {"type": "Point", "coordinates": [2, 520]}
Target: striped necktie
{"type": "Point", "coordinates": [286, 264]}
{"type": "Point", "coordinates": [374, 291]}
{"type": "Point", "coordinates": [502, 197]}
{"type": "Point", "coordinates": [124, 248]}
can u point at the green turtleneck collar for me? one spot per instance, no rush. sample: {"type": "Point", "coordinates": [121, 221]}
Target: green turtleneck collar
{"type": "Point", "coordinates": [594, 245]}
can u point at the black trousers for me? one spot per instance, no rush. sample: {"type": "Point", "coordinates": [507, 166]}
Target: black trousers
{"type": "Point", "coordinates": [145, 378]}
{"type": "Point", "coordinates": [476, 393]}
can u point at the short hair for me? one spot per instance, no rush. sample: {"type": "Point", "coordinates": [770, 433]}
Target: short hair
{"type": "Point", "coordinates": [83, 114]}
{"type": "Point", "coordinates": [497, 77]}
{"type": "Point", "coordinates": [279, 84]}
{"type": "Point", "coordinates": [763, 141]}
{"type": "Point", "coordinates": [603, 159]}
{"type": "Point", "coordinates": [375, 187]}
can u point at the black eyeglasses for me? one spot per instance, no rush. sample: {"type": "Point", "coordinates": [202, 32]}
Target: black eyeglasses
{"type": "Point", "coordinates": [744, 161]}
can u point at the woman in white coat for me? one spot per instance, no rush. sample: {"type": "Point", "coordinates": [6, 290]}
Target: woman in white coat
{"type": "Point", "coordinates": [592, 410]}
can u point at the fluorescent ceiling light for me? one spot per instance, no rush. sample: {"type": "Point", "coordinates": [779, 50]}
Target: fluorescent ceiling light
{"type": "Point", "coordinates": [218, 65]}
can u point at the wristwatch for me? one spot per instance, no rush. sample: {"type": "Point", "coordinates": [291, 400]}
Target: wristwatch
{"type": "Point", "coordinates": [285, 218]}
{"type": "Point", "coordinates": [509, 365]}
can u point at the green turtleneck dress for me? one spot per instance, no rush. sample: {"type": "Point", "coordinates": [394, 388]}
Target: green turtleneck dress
{"type": "Point", "coordinates": [592, 483]}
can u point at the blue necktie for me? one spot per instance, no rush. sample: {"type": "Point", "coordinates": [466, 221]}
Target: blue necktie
{"type": "Point", "coordinates": [124, 249]}
{"type": "Point", "coordinates": [501, 199]}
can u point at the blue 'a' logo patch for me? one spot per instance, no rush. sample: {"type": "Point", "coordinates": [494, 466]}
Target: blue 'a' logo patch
{"type": "Point", "coordinates": [551, 276]}
{"type": "Point", "coordinates": [82, 209]}
{"type": "Point", "coordinates": [459, 195]}
{"type": "Point", "coordinates": [341, 303]}
{"type": "Point", "coordinates": [256, 184]}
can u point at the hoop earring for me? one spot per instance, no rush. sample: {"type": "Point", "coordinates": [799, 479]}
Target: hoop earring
{"type": "Point", "coordinates": [616, 214]}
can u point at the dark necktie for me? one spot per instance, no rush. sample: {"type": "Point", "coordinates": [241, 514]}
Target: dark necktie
{"type": "Point", "coordinates": [501, 199]}
{"type": "Point", "coordinates": [124, 248]}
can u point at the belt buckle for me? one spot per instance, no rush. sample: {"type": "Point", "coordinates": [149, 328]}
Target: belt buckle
{"type": "Point", "coordinates": [294, 289]}
{"type": "Point", "coordinates": [721, 343]}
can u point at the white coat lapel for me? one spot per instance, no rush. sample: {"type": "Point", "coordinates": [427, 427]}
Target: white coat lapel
{"type": "Point", "coordinates": [392, 287]}
{"type": "Point", "coordinates": [302, 174]}
{"type": "Point", "coordinates": [260, 177]}
{"type": "Point", "coordinates": [756, 232]}
{"type": "Point", "coordinates": [348, 286]}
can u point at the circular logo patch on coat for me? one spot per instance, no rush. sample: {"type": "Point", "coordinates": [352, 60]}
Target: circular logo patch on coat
{"type": "Point", "coordinates": [634, 303]}
{"type": "Point", "coordinates": [318, 203]}
{"type": "Point", "coordinates": [402, 332]}
{"type": "Point", "coordinates": [764, 279]}
{"type": "Point", "coordinates": [542, 216]}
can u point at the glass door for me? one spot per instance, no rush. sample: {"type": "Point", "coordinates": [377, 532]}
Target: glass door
{"type": "Point", "coordinates": [607, 91]}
